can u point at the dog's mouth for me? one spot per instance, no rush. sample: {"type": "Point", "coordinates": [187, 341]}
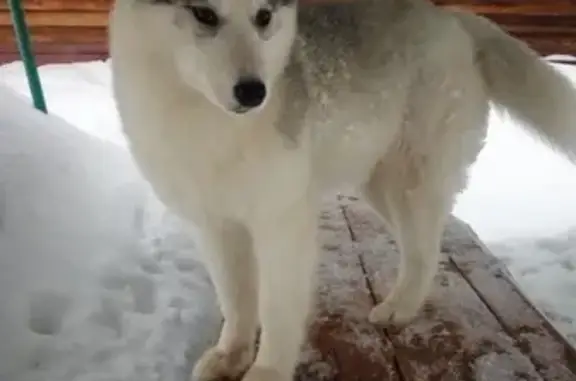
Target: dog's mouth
{"type": "Point", "coordinates": [241, 109]}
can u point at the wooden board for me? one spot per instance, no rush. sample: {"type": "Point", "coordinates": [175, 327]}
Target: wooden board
{"type": "Point", "coordinates": [60, 28]}
{"type": "Point", "coordinates": [342, 344]}
{"type": "Point", "coordinates": [476, 326]}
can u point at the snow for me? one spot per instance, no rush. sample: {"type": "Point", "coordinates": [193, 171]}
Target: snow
{"type": "Point", "coordinates": [521, 202]}
{"type": "Point", "coordinates": [88, 85]}
{"type": "Point", "coordinates": [98, 282]}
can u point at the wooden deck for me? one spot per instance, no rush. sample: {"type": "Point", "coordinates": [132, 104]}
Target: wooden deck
{"type": "Point", "coordinates": [477, 325]}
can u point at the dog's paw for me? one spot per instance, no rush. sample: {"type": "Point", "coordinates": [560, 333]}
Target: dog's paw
{"type": "Point", "coordinates": [395, 311]}
{"type": "Point", "coordinates": [258, 373]}
{"type": "Point", "coordinates": [216, 364]}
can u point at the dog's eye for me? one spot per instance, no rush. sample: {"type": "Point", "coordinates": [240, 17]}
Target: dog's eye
{"type": "Point", "coordinates": [263, 18]}
{"type": "Point", "coordinates": [206, 16]}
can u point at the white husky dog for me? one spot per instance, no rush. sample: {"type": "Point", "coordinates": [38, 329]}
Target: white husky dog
{"type": "Point", "coordinates": [241, 113]}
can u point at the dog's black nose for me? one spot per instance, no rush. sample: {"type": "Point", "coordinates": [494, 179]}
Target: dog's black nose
{"type": "Point", "coordinates": [250, 92]}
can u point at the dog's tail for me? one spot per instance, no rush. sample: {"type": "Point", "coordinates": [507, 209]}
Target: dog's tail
{"type": "Point", "coordinates": [517, 79]}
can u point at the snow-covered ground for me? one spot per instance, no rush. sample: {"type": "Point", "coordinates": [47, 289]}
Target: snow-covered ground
{"type": "Point", "coordinates": [109, 287]}
{"type": "Point", "coordinates": [97, 283]}
{"type": "Point", "coordinates": [521, 201]}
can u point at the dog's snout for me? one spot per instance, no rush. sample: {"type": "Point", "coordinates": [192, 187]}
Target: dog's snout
{"type": "Point", "coordinates": [250, 92]}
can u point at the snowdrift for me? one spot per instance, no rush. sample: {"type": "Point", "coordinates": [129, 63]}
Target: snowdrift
{"type": "Point", "coordinates": [96, 283]}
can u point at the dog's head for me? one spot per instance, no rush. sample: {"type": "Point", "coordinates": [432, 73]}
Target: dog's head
{"type": "Point", "coordinates": [232, 51]}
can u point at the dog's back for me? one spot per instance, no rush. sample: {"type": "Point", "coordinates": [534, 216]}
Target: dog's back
{"type": "Point", "coordinates": [371, 69]}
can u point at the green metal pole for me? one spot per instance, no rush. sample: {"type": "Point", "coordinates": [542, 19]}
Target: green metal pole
{"type": "Point", "coordinates": [26, 54]}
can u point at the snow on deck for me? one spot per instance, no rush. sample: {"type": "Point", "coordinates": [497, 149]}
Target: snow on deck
{"type": "Point", "coordinates": [463, 333]}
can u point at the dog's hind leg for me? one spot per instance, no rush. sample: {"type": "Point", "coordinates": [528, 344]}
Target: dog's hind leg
{"type": "Point", "coordinates": [415, 184]}
{"type": "Point", "coordinates": [415, 201]}
{"type": "Point", "coordinates": [227, 247]}
{"type": "Point", "coordinates": [286, 251]}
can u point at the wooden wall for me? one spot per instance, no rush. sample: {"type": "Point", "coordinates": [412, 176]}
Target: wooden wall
{"type": "Point", "coordinates": [549, 26]}
{"type": "Point", "coordinates": [62, 30]}
{"type": "Point", "coordinates": [74, 30]}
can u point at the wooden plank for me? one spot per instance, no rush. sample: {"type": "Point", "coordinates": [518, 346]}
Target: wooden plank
{"type": "Point", "coordinates": [60, 18]}
{"type": "Point", "coordinates": [52, 48]}
{"type": "Point", "coordinates": [547, 47]}
{"type": "Point", "coordinates": [59, 58]}
{"type": "Point", "coordinates": [57, 35]}
{"type": "Point", "coordinates": [554, 358]}
{"type": "Point", "coordinates": [342, 344]}
{"type": "Point", "coordinates": [526, 9]}
{"type": "Point", "coordinates": [535, 24]}
{"type": "Point", "coordinates": [456, 336]}
{"type": "Point", "coordinates": [72, 5]}
{"type": "Point", "coordinates": [506, 3]}
{"type": "Point", "coordinates": [57, 53]}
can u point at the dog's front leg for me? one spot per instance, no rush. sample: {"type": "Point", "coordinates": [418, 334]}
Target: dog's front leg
{"type": "Point", "coordinates": [286, 251]}
{"type": "Point", "coordinates": [227, 249]}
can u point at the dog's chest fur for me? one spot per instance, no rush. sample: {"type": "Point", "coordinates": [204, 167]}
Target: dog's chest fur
{"type": "Point", "coordinates": [200, 160]}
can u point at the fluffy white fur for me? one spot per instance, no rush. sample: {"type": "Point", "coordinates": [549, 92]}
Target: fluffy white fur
{"type": "Point", "coordinates": [390, 96]}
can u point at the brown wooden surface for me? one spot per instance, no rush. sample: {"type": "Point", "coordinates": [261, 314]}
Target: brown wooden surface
{"type": "Point", "coordinates": [476, 326]}
{"type": "Point", "coordinates": [63, 29]}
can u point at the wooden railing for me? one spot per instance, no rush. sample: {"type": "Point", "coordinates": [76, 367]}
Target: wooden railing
{"type": "Point", "coordinates": [76, 30]}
